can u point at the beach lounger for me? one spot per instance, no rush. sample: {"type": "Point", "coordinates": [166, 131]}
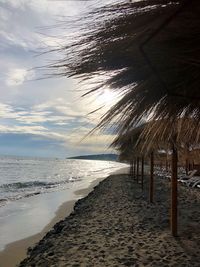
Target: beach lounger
{"type": "Point", "coordinates": [192, 180]}
{"type": "Point", "coordinates": [185, 178]}
{"type": "Point", "coordinates": [196, 183]}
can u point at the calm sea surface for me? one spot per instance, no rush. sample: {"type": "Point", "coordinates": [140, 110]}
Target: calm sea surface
{"type": "Point", "coordinates": [25, 177]}
{"type": "Point", "coordinates": [32, 190]}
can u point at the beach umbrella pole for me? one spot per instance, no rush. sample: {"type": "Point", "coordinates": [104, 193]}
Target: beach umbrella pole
{"type": "Point", "coordinates": [142, 172]}
{"type": "Point", "coordinates": [166, 165]}
{"type": "Point", "coordinates": [186, 166]}
{"type": "Point", "coordinates": [174, 191]}
{"type": "Point", "coordinates": [138, 162]}
{"type": "Point", "coordinates": [131, 168]}
{"type": "Point", "coordinates": [151, 189]}
{"type": "Point", "coordinates": [134, 169]}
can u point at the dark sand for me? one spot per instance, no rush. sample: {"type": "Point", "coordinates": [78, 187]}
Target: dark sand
{"type": "Point", "coordinates": [116, 226]}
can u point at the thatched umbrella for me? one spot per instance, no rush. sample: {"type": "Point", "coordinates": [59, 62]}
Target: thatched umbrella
{"type": "Point", "coordinates": [170, 136]}
{"type": "Point", "coordinates": [148, 51]}
{"type": "Point", "coordinates": [175, 135]}
{"type": "Point", "coordinates": [129, 144]}
{"type": "Point", "coordinates": [126, 144]}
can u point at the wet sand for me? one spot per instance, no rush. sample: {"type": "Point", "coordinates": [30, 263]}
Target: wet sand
{"type": "Point", "coordinates": [17, 251]}
{"type": "Point", "coordinates": [116, 226]}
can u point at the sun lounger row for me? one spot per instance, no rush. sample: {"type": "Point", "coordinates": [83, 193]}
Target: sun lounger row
{"type": "Point", "coordinates": [189, 180]}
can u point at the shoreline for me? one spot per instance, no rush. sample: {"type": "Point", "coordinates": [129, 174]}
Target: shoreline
{"type": "Point", "coordinates": [115, 225]}
{"type": "Point", "coordinates": [16, 251]}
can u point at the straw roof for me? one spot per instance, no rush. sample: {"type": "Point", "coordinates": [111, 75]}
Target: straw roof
{"type": "Point", "coordinates": [127, 144]}
{"type": "Point", "coordinates": [129, 139]}
{"type": "Point", "coordinates": [148, 51]}
{"type": "Point", "coordinates": [183, 133]}
{"type": "Point", "coordinates": [158, 136]}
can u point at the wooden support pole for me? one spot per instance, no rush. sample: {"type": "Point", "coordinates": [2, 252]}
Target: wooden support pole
{"type": "Point", "coordinates": [131, 168]}
{"type": "Point", "coordinates": [137, 171]}
{"type": "Point", "coordinates": [166, 165]}
{"type": "Point", "coordinates": [134, 169]}
{"type": "Point", "coordinates": [142, 173]}
{"type": "Point", "coordinates": [189, 166]}
{"type": "Point", "coordinates": [174, 191]}
{"type": "Point", "coordinates": [151, 186]}
{"type": "Point", "coordinates": [186, 166]}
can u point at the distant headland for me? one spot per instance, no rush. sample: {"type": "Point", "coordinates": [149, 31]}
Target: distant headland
{"type": "Point", "coordinates": [109, 157]}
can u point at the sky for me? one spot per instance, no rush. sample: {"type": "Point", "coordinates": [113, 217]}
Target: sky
{"type": "Point", "coordinates": [43, 117]}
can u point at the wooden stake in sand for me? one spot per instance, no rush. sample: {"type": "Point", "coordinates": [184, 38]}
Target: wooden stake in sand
{"type": "Point", "coordinates": [142, 172]}
{"type": "Point", "coordinates": [151, 189]}
{"type": "Point", "coordinates": [134, 168]}
{"type": "Point", "coordinates": [138, 164]}
{"type": "Point", "coordinates": [166, 165]}
{"type": "Point", "coordinates": [174, 190]}
{"type": "Point", "coordinates": [131, 168]}
{"type": "Point", "coordinates": [186, 166]}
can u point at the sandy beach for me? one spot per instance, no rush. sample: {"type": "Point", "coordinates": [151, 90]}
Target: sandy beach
{"type": "Point", "coordinates": [116, 226]}
{"type": "Point", "coordinates": [17, 251]}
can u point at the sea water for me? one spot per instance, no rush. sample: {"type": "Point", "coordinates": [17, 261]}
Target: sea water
{"type": "Point", "coordinates": [32, 189]}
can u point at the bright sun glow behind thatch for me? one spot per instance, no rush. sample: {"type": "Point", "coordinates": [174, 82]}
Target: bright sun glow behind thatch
{"type": "Point", "coordinates": [107, 97]}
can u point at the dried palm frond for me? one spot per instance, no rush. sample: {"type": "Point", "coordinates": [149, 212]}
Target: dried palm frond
{"type": "Point", "coordinates": [127, 143]}
{"type": "Point", "coordinates": [150, 49]}
{"type": "Point", "coordinates": [183, 133]}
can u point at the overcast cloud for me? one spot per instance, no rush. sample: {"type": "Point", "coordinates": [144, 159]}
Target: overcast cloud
{"type": "Point", "coordinates": [41, 117]}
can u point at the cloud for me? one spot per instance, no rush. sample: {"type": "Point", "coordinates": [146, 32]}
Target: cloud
{"type": "Point", "coordinates": [42, 119]}
{"type": "Point", "coordinates": [27, 24]}
{"type": "Point", "coordinates": [46, 109]}
{"type": "Point", "coordinates": [31, 115]}
{"type": "Point", "coordinates": [68, 111]}
{"type": "Point", "coordinates": [34, 131]}
{"type": "Point", "coordinates": [55, 120]}
{"type": "Point", "coordinates": [59, 105]}
{"type": "Point", "coordinates": [97, 142]}
{"type": "Point", "coordinates": [6, 111]}
{"type": "Point", "coordinates": [38, 130]}
{"type": "Point", "coordinates": [44, 124]}
{"type": "Point", "coordinates": [17, 77]}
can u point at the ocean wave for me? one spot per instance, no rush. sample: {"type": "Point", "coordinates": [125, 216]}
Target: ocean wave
{"type": "Point", "coordinates": [19, 185]}
{"type": "Point", "coordinates": [30, 177]}
{"type": "Point", "coordinates": [36, 186]}
{"type": "Point", "coordinates": [4, 201]}
{"type": "Point", "coordinates": [31, 184]}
